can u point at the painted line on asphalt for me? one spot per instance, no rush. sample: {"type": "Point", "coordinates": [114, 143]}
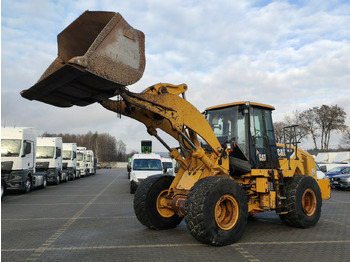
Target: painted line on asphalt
{"type": "Point", "coordinates": [66, 204]}
{"type": "Point", "coordinates": [238, 245]}
{"type": "Point", "coordinates": [244, 253]}
{"type": "Point", "coordinates": [45, 246]}
{"type": "Point", "coordinates": [64, 218]}
{"type": "Point", "coordinates": [336, 222]}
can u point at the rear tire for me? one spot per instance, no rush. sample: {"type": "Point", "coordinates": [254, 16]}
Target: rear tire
{"type": "Point", "coordinates": [216, 211]}
{"type": "Point", "coordinates": [304, 202]}
{"type": "Point", "coordinates": [147, 203]}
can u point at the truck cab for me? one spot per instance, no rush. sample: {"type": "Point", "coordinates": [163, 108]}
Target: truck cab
{"type": "Point", "coordinates": [69, 164]}
{"type": "Point", "coordinates": [49, 159]}
{"type": "Point", "coordinates": [82, 161]}
{"type": "Point", "coordinates": [18, 156]}
{"type": "Point", "coordinates": [90, 162]}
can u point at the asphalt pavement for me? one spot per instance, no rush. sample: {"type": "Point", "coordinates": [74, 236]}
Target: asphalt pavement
{"type": "Point", "coordinates": [92, 219]}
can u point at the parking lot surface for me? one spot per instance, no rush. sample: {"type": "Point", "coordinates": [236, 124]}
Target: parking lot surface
{"type": "Point", "coordinates": [92, 219]}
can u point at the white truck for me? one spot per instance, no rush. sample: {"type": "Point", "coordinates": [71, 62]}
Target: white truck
{"type": "Point", "coordinates": [49, 159]}
{"type": "Point", "coordinates": [90, 162]}
{"type": "Point", "coordinates": [69, 161]}
{"type": "Point", "coordinates": [18, 156]}
{"type": "Point", "coordinates": [142, 166]}
{"type": "Point", "coordinates": [82, 161]}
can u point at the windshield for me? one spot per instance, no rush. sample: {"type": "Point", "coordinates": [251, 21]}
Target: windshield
{"type": "Point", "coordinates": [228, 124]}
{"type": "Point", "coordinates": [45, 152]}
{"type": "Point", "coordinates": [335, 170]}
{"type": "Point", "coordinates": [67, 155]}
{"type": "Point", "coordinates": [80, 156]}
{"type": "Point", "coordinates": [147, 164]}
{"type": "Point", "coordinates": [10, 147]}
{"type": "Point", "coordinates": [89, 158]}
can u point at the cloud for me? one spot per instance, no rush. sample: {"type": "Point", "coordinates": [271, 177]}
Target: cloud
{"type": "Point", "coordinates": [292, 56]}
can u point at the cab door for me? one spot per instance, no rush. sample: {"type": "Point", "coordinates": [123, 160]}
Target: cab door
{"type": "Point", "coordinates": [28, 154]}
{"type": "Point", "coordinates": [263, 144]}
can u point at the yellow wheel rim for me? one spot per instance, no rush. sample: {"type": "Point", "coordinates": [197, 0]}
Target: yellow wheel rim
{"type": "Point", "coordinates": [309, 202]}
{"type": "Point", "coordinates": [162, 208]}
{"type": "Point", "coordinates": [226, 212]}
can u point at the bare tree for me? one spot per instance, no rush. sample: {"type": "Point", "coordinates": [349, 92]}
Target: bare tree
{"type": "Point", "coordinates": [345, 140]}
{"type": "Point", "coordinates": [308, 122]}
{"type": "Point", "coordinates": [278, 127]}
{"type": "Point", "coordinates": [121, 150]}
{"type": "Point", "coordinates": [330, 118]}
{"type": "Point", "coordinates": [320, 122]}
{"type": "Point", "coordinates": [104, 145]}
{"type": "Point", "coordinates": [294, 119]}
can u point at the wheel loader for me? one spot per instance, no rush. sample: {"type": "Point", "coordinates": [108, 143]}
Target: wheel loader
{"type": "Point", "coordinates": [230, 164]}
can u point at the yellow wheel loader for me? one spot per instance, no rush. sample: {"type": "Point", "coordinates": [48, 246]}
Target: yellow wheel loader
{"type": "Point", "coordinates": [230, 164]}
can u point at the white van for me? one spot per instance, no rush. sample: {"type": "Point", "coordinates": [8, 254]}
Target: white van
{"type": "Point", "coordinates": [142, 166]}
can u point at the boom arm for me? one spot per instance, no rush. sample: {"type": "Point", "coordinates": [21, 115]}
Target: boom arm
{"type": "Point", "coordinates": [159, 106]}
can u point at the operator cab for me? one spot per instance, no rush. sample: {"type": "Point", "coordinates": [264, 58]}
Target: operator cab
{"type": "Point", "coordinates": [247, 128]}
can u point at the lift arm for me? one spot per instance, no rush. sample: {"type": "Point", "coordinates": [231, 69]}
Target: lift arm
{"type": "Point", "coordinates": [159, 106]}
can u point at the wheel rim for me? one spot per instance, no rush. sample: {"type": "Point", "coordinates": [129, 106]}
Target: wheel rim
{"type": "Point", "coordinates": [162, 208]}
{"type": "Point", "coordinates": [226, 212]}
{"type": "Point", "coordinates": [28, 185]}
{"type": "Point", "coordinates": [309, 202]}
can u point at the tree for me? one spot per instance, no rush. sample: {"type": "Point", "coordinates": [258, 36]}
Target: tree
{"type": "Point", "coordinates": [105, 146]}
{"type": "Point", "coordinates": [321, 121]}
{"type": "Point", "coordinates": [300, 132]}
{"type": "Point", "coordinates": [282, 134]}
{"type": "Point", "coordinates": [278, 127]}
{"type": "Point", "coordinates": [121, 150]}
{"type": "Point", "coordinates": [308, 122]}
{"type": "Point", "coordinates": [345, 140]}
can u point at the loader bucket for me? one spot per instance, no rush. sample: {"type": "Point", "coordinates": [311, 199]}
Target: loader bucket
{"type": "Point", "coordinates": [97, 54]}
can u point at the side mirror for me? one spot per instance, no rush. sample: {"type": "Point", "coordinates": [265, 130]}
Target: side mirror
{"type": "Point", "coordinates": [165, 170]}
{"type": "Point", "coordinates": [323, 169]}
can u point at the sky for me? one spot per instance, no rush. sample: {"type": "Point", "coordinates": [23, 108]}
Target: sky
{"type": "Point", "coordinates": [293, 55]}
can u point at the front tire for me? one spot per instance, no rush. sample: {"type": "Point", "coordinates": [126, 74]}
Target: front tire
{"type": "Point", "coordinates": [216, 211]}
{"type": "Point", "coordinates": [3, 188]}
{"type": "Point", "coordinates": [44, 183]}
{"type": "Point", "coordinates": [28, 185]}
{"type": "Point", "coordinates": [148, 203]}
{"type": "Point", "coordinates": [58, 178]}
{"type": "Point", "coordinates": [304, 202]}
